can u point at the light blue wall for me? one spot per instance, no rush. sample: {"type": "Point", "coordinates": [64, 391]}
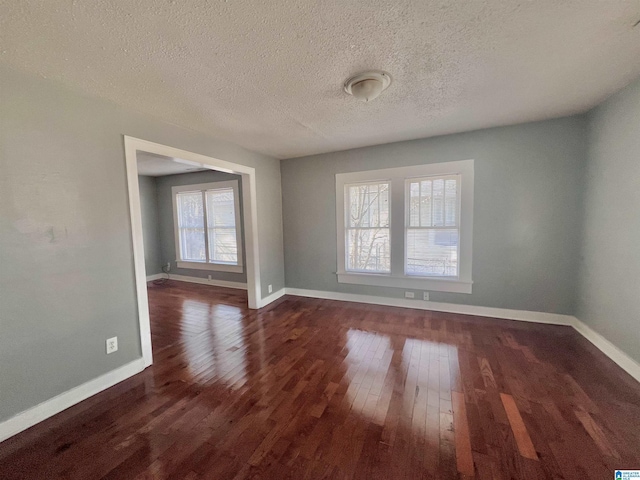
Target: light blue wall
{"type": "Point", "coordinates": [150, 223]}
{"type": "Point", "coordinates": [166, 229]}
{"type": "Point", "coordinates": [609, 294]}
{"type": "Point", "coordinates": [527, 212]}
{"type": "Point", "coordinates": [67, 276]}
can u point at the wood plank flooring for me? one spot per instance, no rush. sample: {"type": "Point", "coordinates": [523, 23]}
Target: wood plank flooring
{"type": "Point", "coordinates": [321, 389]}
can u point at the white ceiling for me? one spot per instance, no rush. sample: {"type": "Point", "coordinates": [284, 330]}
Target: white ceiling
{"type": "Point", "coordinates": [268, 74]}
{"type": "Point", "coordinates": [152, 165]}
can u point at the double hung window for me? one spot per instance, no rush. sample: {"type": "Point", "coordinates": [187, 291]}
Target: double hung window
{"type": "Point", "coordinates": [407, 227]}
{"type": "Point", "coordinates": [207, 226]}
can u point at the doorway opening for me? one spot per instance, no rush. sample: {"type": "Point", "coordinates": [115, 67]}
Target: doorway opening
{"type": "Point", "coordinates": [209, 226]}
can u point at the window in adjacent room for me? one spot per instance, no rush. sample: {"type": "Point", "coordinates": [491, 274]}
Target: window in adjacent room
{"type": "Point", "coordinates": [207, 226]}
{"type": "Point", "coordinates": [407, 227]}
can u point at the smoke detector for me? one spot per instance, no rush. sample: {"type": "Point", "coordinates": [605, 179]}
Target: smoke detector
{"type": "Point", "coordinates": [367, 85]}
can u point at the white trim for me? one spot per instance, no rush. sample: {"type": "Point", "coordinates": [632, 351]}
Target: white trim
{"type": "Point", "coordinates": [397, 179]}
{"type": "Point", "coordinates": [250, 225]}
{"type": "Point", "coordinates": [205, 281]}
{"type": "Point", "coordinates": [272, 298]}
{"type": "Point", "coordinates": [57, 404]}
{"type": "Point", "coordinates": [216, 267]}
{"type": "Point", "coordinates": [135, 211]}
{"type": "Point", "coordinates": [204, 187]}
{"type": "Point", "coordinates": [406, 281]}
{"type": "Point", "coordinates": [619, 357]}
{"type": "Point", "coordinates": [521, 315]}
{"type": "Point", "coordinates": [220, 283]}
{"type": "Point", "coordinates": [197, 187]}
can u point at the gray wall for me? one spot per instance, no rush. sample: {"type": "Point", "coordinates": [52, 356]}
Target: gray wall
{"type": "Point", "coordinates": [166, 228]}
{"type": "Point", "coordinates": [609, 294]}
{"type": "Point", "coordinates": [150, 225]}
{"type": "Point", "coordinates": [526, 214]}
{"type": "Point", "coordinates": [67, 277]}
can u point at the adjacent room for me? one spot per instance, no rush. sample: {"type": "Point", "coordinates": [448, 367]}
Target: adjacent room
{"type": "Point", "coordinates": [192, 222]}
{"type": "Point", "coordinates": [320, 240]}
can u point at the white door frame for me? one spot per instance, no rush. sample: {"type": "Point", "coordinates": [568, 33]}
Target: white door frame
{"type": "Point", "coordinates": [132, 146]}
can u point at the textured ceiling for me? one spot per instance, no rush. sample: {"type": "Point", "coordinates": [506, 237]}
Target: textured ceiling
{"type": "Point", "coordinates": [151, 165]}
{"type": "Point", "coordinates": [268, 74]}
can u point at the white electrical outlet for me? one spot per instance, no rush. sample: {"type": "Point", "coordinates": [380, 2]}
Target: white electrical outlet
{"type": "Point", "coordinates": [425, 296]}
{"type": "Point", "coordinates": [209, 277]}
{"type": "Point", "coordinates": [168, 266]}
{"type": "Point", "coordinates": [112, 345]}
{"type": "Point", "coordinates": [409, 295]}
{"type": "Point", "coordinates": [270, 288]}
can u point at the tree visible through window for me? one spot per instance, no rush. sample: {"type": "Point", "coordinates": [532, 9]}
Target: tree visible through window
{"type": "Point", "coordinates": [407, 227]}
{"type": "Point", "coordinates": [368, 235]}
{"type": "Point", "coordinates": [191, 226]}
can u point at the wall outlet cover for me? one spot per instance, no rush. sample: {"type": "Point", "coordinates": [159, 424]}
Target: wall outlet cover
{"type": "Point", "coordinates": [409, 295]}
{"type": "Point", "coordinates": [425, 296]}
{"type": "Point", "coordinates": [112, 345]}
{"type": "Point", "coordinates": [270, 288]}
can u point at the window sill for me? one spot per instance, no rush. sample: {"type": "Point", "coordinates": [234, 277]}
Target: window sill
{"type": "Point", "coordinates": [217, 267]}
{"type": "Point", "coordinates": [417, 283]}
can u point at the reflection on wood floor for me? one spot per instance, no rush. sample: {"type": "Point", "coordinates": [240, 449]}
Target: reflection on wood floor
{"type": "Point", "coordinates": [324, 389]}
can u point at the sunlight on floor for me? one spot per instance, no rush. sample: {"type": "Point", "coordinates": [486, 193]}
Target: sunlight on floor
{"type": "Point", "coordinates": [376, 366]}
{"type": "Point", "coordinates": [216, 349]}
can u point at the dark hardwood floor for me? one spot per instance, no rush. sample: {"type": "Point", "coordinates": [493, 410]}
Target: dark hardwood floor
{"type": "Point", "coordinates": [324, 389]}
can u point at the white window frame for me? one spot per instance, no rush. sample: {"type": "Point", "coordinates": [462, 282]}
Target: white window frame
{"type": "Point", "coordinates": [397, 177]}
{"type": "Point", "coordinates": [347, 228]}
{"type": "Point", "coordinates": [214, 266]}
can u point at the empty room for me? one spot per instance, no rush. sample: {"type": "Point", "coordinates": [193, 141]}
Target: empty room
{"type": "Point", "coordinates": [320, 240]}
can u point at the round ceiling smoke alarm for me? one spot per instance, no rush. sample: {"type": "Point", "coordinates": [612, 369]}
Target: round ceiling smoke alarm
{"type": "Point", "coordinates": [368, 85]}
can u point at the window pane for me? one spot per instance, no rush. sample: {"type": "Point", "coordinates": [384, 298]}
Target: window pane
{"type": "Point", "coordinates": [223, 246]}
{"type": "Point", "coordinates": [192, 244]}
{"type": "Point", "coordinates": [368, 247]}
{"type": "Point", "coordinates": [426, 196]}
{"type": "Point", "coordinates": [414, 204]}
{"type": "Point", "coordinates": [438, 203]}
{"type": "Point", "coordinates": [433, 202]}
{"type": "Point", "coordinates": [221, 208]}
{"type": "Point", "coordinates": [221, 222]}
{"type": "Point", "coordinates": [368, 205]}
{"type": "Point", "coordinates": [191, 226]}
{"type": "Point", "coordinates": [369, 250]}
{"type": "Point", "coordinates": [432, 252]}
{"type": "Point", "coordinates": [451, 202]}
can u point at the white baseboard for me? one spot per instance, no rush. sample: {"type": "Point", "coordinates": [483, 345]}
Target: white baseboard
{"type": "Point", "coordinates": [609, 349]}
{"type": "Point", "coordinates": [201, 281]}
{"type": "Point", "coordinates": [61, 402]}
{"type": "Point", "coordinates": [219, 283]}
{"type": "Point", "coordinates": [522, 315]}
{"type": "Point", "coordinates": [57, 404]}
{"type": "Point", "coordinates": [272, 298]}
{"type": "Point", "coordinates": [623, 360]}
